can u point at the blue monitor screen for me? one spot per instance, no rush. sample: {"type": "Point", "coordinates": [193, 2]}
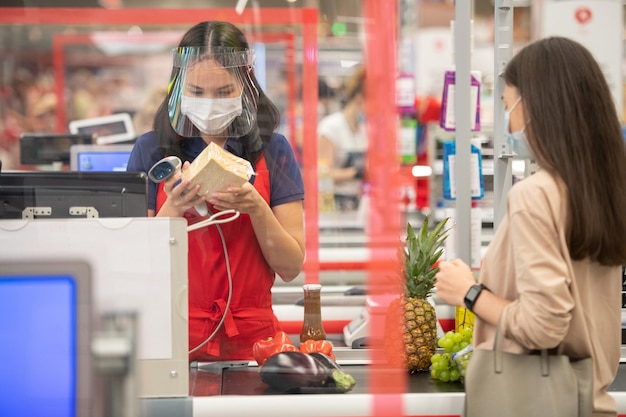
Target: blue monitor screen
{"type": "Point", "coordinates": [38, 346]}
{"type": "Point", "coordinates": [103, 161]}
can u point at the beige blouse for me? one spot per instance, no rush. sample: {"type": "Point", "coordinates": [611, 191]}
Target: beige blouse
{"type": "Point", "coordinates": [528, 263]}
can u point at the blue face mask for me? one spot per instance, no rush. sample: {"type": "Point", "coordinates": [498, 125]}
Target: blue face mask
{"type": "Point", "coordinates": [517, 140]}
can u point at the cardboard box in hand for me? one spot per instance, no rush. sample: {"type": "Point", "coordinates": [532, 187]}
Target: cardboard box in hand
{"type": "Point", "coordinates": [216, 169]}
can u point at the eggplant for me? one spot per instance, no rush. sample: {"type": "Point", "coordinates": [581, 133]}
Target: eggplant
{"type": "Point", "coordinates": [297, 371]}
{"type": "Point", "coordinates": [325, 360]}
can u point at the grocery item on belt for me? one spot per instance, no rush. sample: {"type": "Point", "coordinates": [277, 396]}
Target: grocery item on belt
{"type": "Point", "coordinates": [297, 372]}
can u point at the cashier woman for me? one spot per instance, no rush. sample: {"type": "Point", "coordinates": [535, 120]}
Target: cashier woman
{"type": "Point", "coordinates": [214, 96]}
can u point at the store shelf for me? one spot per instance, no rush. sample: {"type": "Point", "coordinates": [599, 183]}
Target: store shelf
{"type": "Point", "coordinates": [519, 167]}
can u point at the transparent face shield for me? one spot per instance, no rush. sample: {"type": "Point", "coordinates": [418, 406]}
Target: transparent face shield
{"type": "Point", "coordinates": [212, 92]}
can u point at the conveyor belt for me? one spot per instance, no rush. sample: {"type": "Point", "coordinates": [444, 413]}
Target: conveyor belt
{"type": "Point", "coordinates": [246, 381]}
{"type": "Point", "coordinates": [218, 392]}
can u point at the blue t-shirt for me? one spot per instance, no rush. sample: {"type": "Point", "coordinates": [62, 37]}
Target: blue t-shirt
{"type": "Point", "coordinates": [285, 176]}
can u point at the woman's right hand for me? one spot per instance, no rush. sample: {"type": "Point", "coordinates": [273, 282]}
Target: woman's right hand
{"type": "Point", "coordinates": [180, 197]}
{"type": "Point", "coordinates": [454, 279]}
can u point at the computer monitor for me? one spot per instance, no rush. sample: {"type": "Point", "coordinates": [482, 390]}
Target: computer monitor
{"type": "Point", "coordinates": [50, 148]}
{"type": "Point", "coordinates": [45, 338]}
{"type": "Point", "coordinates": [72, 194]}
{"type": "Point", "coordinates": [114, 128]}
{"type": "Point", "coordinates": [102, 158]}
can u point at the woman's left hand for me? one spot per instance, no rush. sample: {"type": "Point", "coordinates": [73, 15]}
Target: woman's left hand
{"type": "Point", "coordinates": [244, 199]}
{"type": "Point", "coordinates": [454, 279]}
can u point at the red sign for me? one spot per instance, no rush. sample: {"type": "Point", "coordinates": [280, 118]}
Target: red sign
{"type": "Point", "coordinates": [583, 15]}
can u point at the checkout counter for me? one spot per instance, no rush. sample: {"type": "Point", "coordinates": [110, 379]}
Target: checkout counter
{"type": "Point", "coordinates": [216, 391]}
{"type": "Point", "coordinates": [219, 388]}
{"type": "Point", "coordinates": [167, 385]}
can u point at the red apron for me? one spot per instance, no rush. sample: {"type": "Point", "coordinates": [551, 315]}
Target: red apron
{"type": "Point", "coordinates": [250, 316]}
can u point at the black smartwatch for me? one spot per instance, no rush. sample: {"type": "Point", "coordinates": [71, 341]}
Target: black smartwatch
{"type": "Point", "coordinates": [472, 295]}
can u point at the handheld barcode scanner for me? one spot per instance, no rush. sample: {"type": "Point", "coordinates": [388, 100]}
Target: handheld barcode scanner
{"type": "Point", "coordinates": [164, 169]}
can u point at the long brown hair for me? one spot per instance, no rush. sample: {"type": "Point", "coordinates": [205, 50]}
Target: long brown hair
{"type": "Point", "coordinates": [574, 132]}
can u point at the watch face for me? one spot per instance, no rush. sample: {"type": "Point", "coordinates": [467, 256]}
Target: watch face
{"type": "Point", "coordinates": [473, 292]}
{"type": "Point", "coordinates": [471, 295]}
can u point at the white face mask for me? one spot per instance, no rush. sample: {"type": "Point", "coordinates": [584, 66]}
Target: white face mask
{"type": "Point", "coordinates": [517, 140]}
{"type": "Point", "coordinates": [211, 116]}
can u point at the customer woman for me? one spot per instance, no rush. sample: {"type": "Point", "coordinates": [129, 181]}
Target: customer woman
{"type": "Point", "coordinates": [342, 143]}
{"type": "Point", "coordinates": [563, 237]}
{"type": "Point", "coordinates": [214, 97]}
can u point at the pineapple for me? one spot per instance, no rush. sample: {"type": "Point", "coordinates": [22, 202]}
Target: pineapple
{"type": "Point", "coordinates": [411, 322]}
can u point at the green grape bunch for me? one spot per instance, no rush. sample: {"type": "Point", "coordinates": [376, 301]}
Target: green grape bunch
{"type": "Point", "coordinates": [451, 365]}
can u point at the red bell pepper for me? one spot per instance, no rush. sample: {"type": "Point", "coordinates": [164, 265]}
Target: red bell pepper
{"type": "Point", "coordinates": [264, 348]}
{"type": "Point", "coordinates": [323, 346]}
{"type": "Point", "coordinates": [286, 348]}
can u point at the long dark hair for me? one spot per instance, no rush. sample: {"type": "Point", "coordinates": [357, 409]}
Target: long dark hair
{"type": "Point", "coordinates": [574, 131]}
{"type": "Point", "coordinates": [216, 35]}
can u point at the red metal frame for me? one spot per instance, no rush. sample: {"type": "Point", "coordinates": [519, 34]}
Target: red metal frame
{"type": "Point", "coordinates": [132, 16]}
